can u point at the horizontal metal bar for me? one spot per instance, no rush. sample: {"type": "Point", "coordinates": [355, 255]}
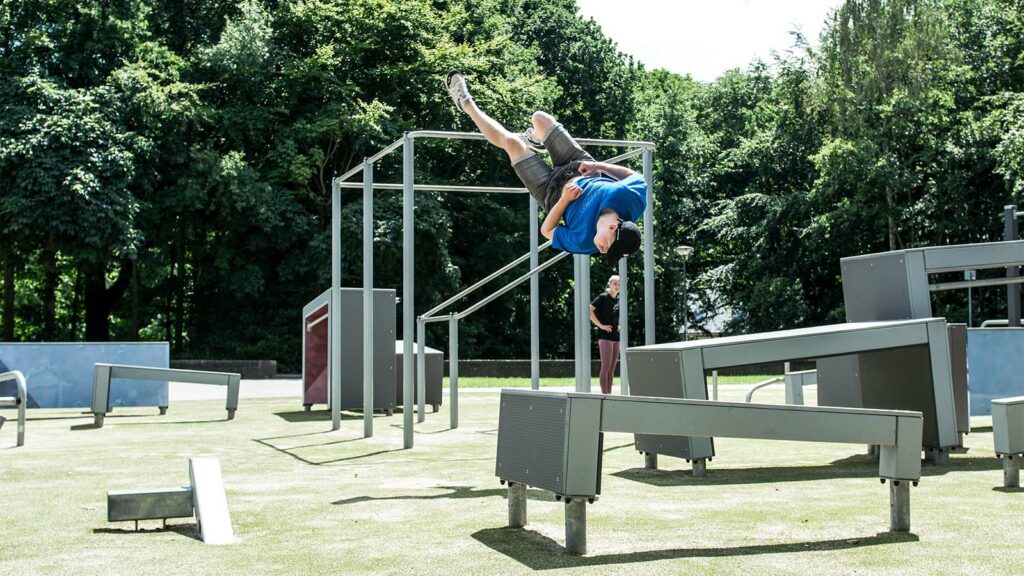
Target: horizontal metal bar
{"type": "Point", "coordinates": [765, 421]}
{"type": "Point", "coordinates": [485, 280]}
{"type": "Point", "coordinates": [976, 283]}
{"type": "Point", "coordinates": [510, 286]}
{"type": "Point", "coordinates": [625, 156]}
{"type": "Point", "coordinates": [387, 150]}
{"type": "Point", "coordinates": [430, 319]}
{"type": "Point", "coordinates": [759, 385]}
{"type": "Point", "coordinates": [478, 136]}
{"type": "Point", "coordinates": [315, 322]}
{"type": "Point", "coordinates": [438, 187]}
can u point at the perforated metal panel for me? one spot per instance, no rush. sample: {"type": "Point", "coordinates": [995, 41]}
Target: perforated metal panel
{"type": "Point", "coordinates": [532, 439]}
{"type": "Point", "coordinates": [658, 374]}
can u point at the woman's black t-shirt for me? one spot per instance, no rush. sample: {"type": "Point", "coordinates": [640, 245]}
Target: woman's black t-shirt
{"type": "Point", "coordinates": [606, 309]}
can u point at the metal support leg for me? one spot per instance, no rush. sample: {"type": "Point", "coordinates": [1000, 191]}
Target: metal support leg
{"type": "Point", "coordinates": [516, 505]}
{"type": "Point", "coordinates": [534, 299]}
{"type": "Point", "coordinates": [408, 292]}
{"type": "Point", "coordinates": [700, 468]}
{"type": "Point", "coordinates": [334, 311]}
{"type": "Point", "coordinates": [650, 460]}
{"type": "Point", "coordinates": [576, 526]}
{"type": "Point", "coordinates": [714, 385]}
{"type": "Point", "coordinates": [937, 456]}
{"type": "Point", "coordinates": [453, 371]}
{"type": "Point", "coordinates": [1011, 471]}
{"type": "Point", "coordinates": [623, 325]}
{"type": "Point", "coordinates": [899, 506]}
{"type": "Point", "coordinates": [421, 370]}
{"type": "Point", "coordinates": [585, 345]}
{"type": "Point", "coordinates": [368, 351]}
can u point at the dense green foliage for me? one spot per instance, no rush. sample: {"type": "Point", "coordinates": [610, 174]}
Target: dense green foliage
{"type": "Point", "coordinates": [165, 165]}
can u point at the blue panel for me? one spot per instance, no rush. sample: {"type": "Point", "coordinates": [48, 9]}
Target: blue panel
{"type": "Point", "coordinates": [59, 375]}
{"type": "Point", "coordinates": [993, 366]}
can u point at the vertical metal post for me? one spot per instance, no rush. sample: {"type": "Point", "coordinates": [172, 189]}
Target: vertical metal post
{"type": "Point", "coordinates": [516, 505]}
{"type": "Point", "coordinates": [453, 370]}
{"type": "Point", "coordinates": [714, 385]}
{"type": "Point", "coordinates": [408, 297]}
{"type": "Point", "coordinates": [1012, 290]}
{"type": "Point", "coordinates": [576, 526]}
{"type": "Point", "coordinates": [585, 330]}
{"type": "Point", "coordinates": [334, 310]}
{"type": "Point", "coordinates": [899, 506]}
{"type": "Point", "coordinates": [623, 325]}
{"type": "Point", "coordinates": [534, 298]}
{"type": "Point", "coordinates": [368, 340]}
{"type": "Point", "coordinates": [649, 250]}
{"type": "Point", "coordinates": [421, 369]}
{"type": "Point", "coordinates": [1011, 471]}
{"type": "Point", "coordinates": [577, 354]}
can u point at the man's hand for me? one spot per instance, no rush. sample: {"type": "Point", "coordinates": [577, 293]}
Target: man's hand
{"type": "Point", "coordinates": [571, 192]}
{"type": "Point", "coordinates": [587, 168]}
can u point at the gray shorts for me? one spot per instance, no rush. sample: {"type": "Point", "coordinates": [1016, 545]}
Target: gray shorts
{"type": "Point", "coordinates": [543, 181]}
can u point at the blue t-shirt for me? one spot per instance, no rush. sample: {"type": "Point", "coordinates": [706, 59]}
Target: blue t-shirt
{"type": "Point", "coordinates": [627, 197]}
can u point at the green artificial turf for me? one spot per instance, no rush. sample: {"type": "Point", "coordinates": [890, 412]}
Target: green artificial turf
{"type": "Point", "coordinates": [305, 500]}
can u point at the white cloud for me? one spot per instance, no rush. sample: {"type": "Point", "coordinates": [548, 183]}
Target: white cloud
{"type": "Point", "coordinates": [707, 37]}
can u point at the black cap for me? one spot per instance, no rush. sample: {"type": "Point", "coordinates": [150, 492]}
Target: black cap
{"type": "Point", "coordinates": [627, 241]}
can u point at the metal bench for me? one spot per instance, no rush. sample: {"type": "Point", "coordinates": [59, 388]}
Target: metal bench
{"type": "Point", "coordinates": [20, 401]}
{"type": "Point", "coordinates": [553, 441]}
{"type": "Point", "coordinates": [1008, 436]}
{"type": "Point", "coordinates": [204, 498]}
{"type": "Point", "coordinates": [677, 370]}
{"type": "Point", "coordinates": [104, 373]}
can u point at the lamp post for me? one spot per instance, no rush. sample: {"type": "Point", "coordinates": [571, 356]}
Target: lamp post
{"type": "Point", "coordinates": [685, 252]}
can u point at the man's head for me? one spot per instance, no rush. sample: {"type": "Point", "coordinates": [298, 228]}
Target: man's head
{"type": "Point", "coordinates": [616, 238]}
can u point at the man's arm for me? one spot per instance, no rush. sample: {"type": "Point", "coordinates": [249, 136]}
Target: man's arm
{"type": "Point", "coordinates": [613, 170]}
{"type": "Point", "coordinates": [554, 216]}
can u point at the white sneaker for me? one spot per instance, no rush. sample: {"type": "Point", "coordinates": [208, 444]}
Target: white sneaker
{"type": "Point", "coordinates": [455, 82]}
{"type": "Point", "coordinates": [532, 142]}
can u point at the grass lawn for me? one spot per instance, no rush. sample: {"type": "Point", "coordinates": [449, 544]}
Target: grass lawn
{"type": "Point", "coordinates": [305, 500]}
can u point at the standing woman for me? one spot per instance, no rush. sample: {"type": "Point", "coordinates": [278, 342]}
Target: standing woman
{"type": "Point", "coordinates": [604, 313]}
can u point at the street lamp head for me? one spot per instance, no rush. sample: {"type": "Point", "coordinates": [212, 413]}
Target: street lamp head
{"type": "Point", "coordinates": [684, 251]}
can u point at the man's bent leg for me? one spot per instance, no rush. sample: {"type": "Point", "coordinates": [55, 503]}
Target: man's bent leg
{"type": "Point", "coordinates": [535, 174]}
{"type": "Point", "coordinates": [495, 133]}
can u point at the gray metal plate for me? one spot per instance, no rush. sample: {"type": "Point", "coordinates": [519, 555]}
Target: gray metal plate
{"type": "Point", "coordinates": [532, 440]}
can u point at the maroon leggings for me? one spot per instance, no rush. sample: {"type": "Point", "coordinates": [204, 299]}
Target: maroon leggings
{"type": "Point", "coordinates": [609, 358]}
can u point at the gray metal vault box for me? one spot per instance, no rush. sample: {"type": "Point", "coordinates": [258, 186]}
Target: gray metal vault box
{"type": "Point", "coordinates": [677, 370]}
{"type": "Point", "coordinates": [434, 368]}
{"type": "Point", "coordinates": [537, 432]}
{"type": "Point", "coordinates": [895, 286]}
{"type": "Point", "coordinates": [315, 350]}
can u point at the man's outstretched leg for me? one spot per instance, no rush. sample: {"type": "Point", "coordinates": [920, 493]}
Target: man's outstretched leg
{"type": "Point", "coordinates": [492, 130]}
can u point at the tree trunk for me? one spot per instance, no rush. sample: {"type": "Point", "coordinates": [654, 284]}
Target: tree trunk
{"type": "Point", "coordinates": [99, 299]}
{"type": "Point", "coordinates": [7, 333]}
{"type": "Point", "coordinates": [179, 317]}
{"type": "Point", "coordinates": [50, 282]}
{"type": "Point", "coordinates": [76, 306]}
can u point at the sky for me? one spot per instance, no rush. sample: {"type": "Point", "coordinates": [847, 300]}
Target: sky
{"type": "Point", "coordinates": [704, 38]}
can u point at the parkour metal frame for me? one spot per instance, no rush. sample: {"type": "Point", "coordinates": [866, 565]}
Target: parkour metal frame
{"type": "Point", "coordinates": [408, 186]}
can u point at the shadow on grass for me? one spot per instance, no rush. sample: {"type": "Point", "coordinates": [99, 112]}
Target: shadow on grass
{"type": "Point", "coordinates": [857, 466]}
{"type": "Point", "coordinates": [314, 416]}
{"type": "Point", "coordinates": [538, 552]}
{"type": "Point", "coordinates": [289, 451]}
{"type": "Point", "coordinates": [1004, 489]}
{"type": "Point", "coordinates": [455, 492]}
{"type": "Point", "coordinates": [980, 429]}
{"type": "Point", "coordinates": [190, 530]}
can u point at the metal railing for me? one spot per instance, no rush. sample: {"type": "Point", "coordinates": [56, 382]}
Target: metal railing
{"type": "Point", "coordinates": [453, 336]}
{"type": "Point", "coordinates": [408, 187]}
{"type": "Point", "coordinates": [21, 401]}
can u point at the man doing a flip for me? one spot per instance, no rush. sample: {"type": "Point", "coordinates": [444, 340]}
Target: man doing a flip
{"type": "Point", "coordinates": [599, 202]}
